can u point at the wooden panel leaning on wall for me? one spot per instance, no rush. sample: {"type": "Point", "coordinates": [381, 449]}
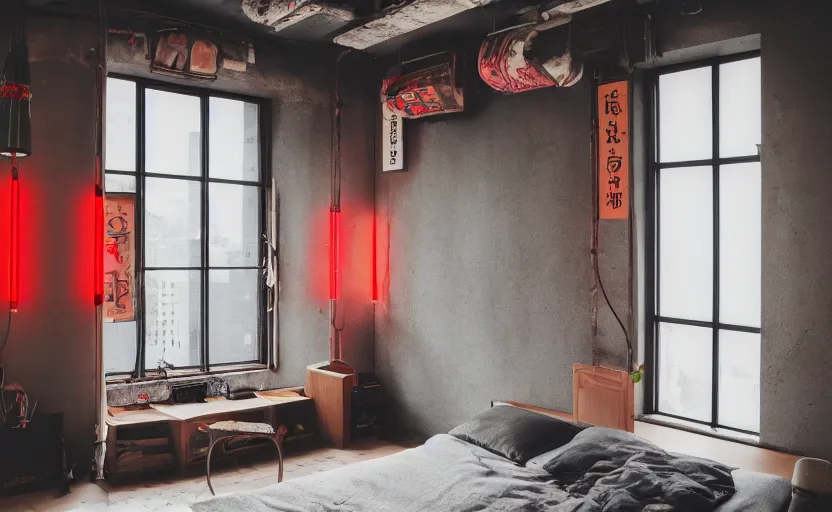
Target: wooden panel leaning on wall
{"type": "Point", "coordinates": [602, 397]}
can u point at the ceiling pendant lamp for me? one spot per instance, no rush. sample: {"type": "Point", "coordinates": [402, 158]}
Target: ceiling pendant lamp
{"type": "Point", "coordinates": [15, 136]}
{"type": "Point", "coordinates": [15, 96]}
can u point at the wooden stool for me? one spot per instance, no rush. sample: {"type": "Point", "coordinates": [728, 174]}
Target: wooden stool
{"type": "Point", "coordinates": [225, 431]}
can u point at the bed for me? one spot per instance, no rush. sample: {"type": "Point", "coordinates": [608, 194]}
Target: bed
{"type": "Point", "coordinates": [508, 459]}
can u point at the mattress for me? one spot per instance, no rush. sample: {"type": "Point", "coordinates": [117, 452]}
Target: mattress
{"type": "Point", "coordinates": [448, 474]}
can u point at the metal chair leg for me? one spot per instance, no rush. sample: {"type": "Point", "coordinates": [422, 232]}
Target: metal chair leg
{"type": "Point", "coordinates": [208, 469]}
{"type": "Point", "coordinates": [279, 460]}
{"type": "Point", "coordinates": [211, 451]}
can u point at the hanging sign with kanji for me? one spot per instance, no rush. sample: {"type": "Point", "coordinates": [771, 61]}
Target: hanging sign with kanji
{"type": "Point", "coordinates": [614, 150]}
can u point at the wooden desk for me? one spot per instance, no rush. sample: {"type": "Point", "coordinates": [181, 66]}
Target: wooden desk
{"type": "Point", "coordinates": [175, 437]}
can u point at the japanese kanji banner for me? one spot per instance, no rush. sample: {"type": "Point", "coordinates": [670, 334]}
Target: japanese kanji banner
{"type": "Point", "coordinates": [614, 150]}
{"type": "Point", "coordinates": [119, 257]}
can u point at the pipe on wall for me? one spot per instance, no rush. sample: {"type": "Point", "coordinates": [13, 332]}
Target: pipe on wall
{"type": "Point", "coordinates": [100, 381]}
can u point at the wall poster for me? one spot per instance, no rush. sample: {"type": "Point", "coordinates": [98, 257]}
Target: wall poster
{"type": "Point", "coordinates": [392, 144]}
{"type": "Point", "coordinates": [614, 150]}
{"type": "Point", "coordinates": [119, 257]}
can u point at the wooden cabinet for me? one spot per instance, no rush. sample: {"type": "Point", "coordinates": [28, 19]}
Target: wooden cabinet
{"type": "Point", "coordinates": [330, 385]}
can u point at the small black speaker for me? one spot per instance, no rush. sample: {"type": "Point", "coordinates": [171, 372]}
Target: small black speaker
{"type": "Point", "coordinates": [366, 407]}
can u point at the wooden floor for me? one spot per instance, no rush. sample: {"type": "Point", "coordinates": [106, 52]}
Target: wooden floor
{"type": "Point", "coordinates": [178, 494]}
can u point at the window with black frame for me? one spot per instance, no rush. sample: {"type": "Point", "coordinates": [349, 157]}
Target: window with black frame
{"type": "Point", "coordinates": [187, 164]}
{"type": "Point", "coordinates": [705, 184]}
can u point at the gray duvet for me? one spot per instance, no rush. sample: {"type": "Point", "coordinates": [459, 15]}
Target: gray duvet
{"type": "Point", "coordinates": [447, 474]}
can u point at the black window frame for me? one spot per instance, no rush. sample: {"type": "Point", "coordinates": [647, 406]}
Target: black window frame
{"type": "Point", "coordinates": [263, 184]}
{"type": "Point", "coordinates": [651, 391]}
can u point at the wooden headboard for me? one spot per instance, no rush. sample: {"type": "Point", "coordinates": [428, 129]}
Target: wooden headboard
{"type": "Point", "coordinates": [603, 397]}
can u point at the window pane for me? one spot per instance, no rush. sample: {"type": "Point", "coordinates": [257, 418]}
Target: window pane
{"type": "Point", "coordinates": [740, 239]}
{"type": "Point", "coordinates": [119, 183]}
{"type": "Point", "coordinates": [233, 131]}
{"type": "Point", "coordinates": [172, 223]}
{"type": "Point", "coordinates": [120, 153]}
{"type": "Point", "coordinates": [685, 362]}
{"type": "Point", "coordinates": [686, 243]}
{"type": "Point", "coordinates": [739, 380]}
{"type": "Point", "coordinates": [233, 216]}
{"type": "Point", "coordinates": [172, 134]}
{"type": "Point", "coordinates": [172, 318]}
{"type": "Point", "coordinates": [685, 129]}
{"type": "Point", "coordinates": [740, 110]}
{"type": "Point", "coordinates": [232, 321]}
{"type": "Point", "coordinates": [119, 347]}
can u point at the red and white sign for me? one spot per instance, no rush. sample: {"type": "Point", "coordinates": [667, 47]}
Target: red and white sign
{"type": "Point", "coordinates": [614, 150]}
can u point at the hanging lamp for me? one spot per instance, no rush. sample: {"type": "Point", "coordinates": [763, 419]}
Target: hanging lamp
{"type": "Point", "coordinates": [15, 136]}
{"type": "Point", "coordinates": [16, 95]}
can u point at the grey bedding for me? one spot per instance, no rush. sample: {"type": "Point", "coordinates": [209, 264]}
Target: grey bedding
{"type": "Point", "coordinates": [448, 474]}
{"type": "Point", "coordinates": [617, 470]}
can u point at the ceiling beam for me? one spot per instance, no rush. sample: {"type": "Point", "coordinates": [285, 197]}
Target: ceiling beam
{"type": "Point", "coordinates": [401, 20]}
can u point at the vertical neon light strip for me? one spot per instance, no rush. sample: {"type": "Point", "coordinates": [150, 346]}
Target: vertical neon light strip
{"type": "Point", "coordinates": [99, 246]}
{"type": "Point", "coordinates": [334, 253]}
{"type": "Point", "coordinates": [374, 296]}
{"type": "Point", "coordinates": [14, 243]}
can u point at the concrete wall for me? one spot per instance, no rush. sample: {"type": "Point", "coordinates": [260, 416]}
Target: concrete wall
{"type": "Point", "coordinates": [489, 276]}
{"type": "Point", "coordinates": [484, 259]}
{"type": "Point", "coordinates": [797, 233]}
{"type": "Point", "coordinates": [301, 87]}
{"type": "Point", "coordinates": [51, 351]}
{"type": "Point", "coordinates": [795, 413]}
{"type": "Point", "coordinates": [356, 311]}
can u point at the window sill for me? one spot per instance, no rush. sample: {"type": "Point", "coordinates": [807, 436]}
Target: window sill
{"type": "Point", "coordinates": [698, 428]}
{"type": "Point", "coordinates": [185, 375]}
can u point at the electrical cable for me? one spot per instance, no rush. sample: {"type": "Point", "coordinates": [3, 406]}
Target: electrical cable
{"type": "Point", "coordinates": [6, 336]}
{"type": "Point", "coordinates": [336, 167]}
{"type": "Point", "coordinates": [335, 203]}
{"type": "Point", "coordinates": [594, 250]}
{"type": "Point", "coordinates": [612, 309]}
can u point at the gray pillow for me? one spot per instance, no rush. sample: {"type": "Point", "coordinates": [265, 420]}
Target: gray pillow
{"type": "Point", "coordinates": [541, 460]}
{"type": "Point", "coordinates": [597, 444]}
{"type": "Point", "coordinates": [757, 492]}
{"type": "Point", "coordinates": [514, 433]}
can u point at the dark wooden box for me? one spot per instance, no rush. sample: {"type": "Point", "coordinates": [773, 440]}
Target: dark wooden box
{"type": "Point", "coordinates": [32, 458]}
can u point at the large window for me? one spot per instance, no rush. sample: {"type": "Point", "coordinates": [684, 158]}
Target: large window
{"type": "Point", "coordinates": [705, 188]}
{"type": "Point", "coordinates": [189, 165]}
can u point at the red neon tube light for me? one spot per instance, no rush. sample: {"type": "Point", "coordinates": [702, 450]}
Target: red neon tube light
{"type": "Point", "coordinates": [334, 253]}
{"type": "Point", "coordinates": [374, 296]}
{"type": "Point", "coordinates": [14, 243]}
{"type": "Point", "coordinates": [99, 246]}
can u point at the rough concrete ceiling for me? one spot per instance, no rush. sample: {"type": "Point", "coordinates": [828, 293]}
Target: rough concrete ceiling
{"type": "Point", "coordinates": [227, 9]}
{"type": "Point", "coordinates": [408, 18]}
{"type": "Point", "coordinates": [353, 23]}
{"type": "Point", "coordinates": [313, 24]}
{"type": "Point", "coordinates": [323, 20]}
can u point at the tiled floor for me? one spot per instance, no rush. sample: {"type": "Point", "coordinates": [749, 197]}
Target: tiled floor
{"type": "Point", "coordinates": [177, 495]}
